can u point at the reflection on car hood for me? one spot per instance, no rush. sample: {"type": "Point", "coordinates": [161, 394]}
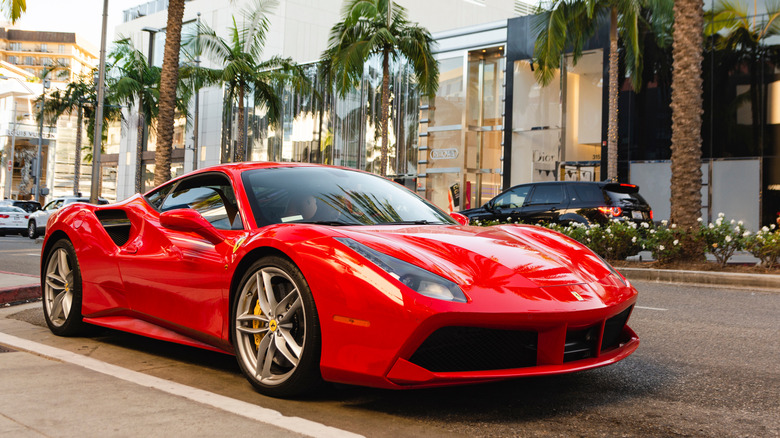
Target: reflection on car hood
{"type": "Point", "coordinates": [484, 256]}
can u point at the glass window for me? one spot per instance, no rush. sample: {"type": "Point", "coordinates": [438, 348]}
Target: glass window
{"type": "Point", "coordinates": [44, 47]}
{"type": "Point", "coordinates": [156, 198]}
{"type": "Point", "coordinates": [586, 193]}
{"type": "Point", "coordinates": [334, 196]}
{"type": "Point", "coordinates": [450, 98]}
{"type": "Point", "coordinates": [547, 194]}
{"type": "Point", "coordinates": [62, 48]}
{"type": "Point", "coordinates": [16, 46]}
{"type": "Point", "coordinates": [210, 195]}
{"type": "Point", "coordinates": [513, 198]}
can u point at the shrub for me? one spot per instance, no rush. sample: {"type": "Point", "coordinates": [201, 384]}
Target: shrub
{"type": "Point", "coordinates": [664, 241]}
{"type": "Point", "coordinates": [764, 245]}
{"type": "Point", "coordinates": [723, 238]}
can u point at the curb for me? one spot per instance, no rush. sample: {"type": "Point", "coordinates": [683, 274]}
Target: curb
{"type": "Point", "coordinates": [726, 279]}
{"type": "Point", "coordinates": [20, 293]}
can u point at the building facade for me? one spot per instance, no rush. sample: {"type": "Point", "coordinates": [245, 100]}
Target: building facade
{"type": "Point", "coordinates": [34, 51]}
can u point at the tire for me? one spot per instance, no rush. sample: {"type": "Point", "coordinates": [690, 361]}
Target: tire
{"type": "Point", "coordinates": [61, 287]}
{"type": "Point", "coordinates": [276, 337]}
{"type": "Point", "coordinates": [32, 230]}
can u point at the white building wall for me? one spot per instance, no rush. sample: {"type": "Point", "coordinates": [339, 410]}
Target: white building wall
{"type": "Point", "coordinates": [299, 30]}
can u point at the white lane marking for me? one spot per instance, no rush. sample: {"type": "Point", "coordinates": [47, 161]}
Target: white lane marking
{"type": "Point", "coordinates": [651, 308]}
{"type": "Point", "coordinates": [233, 406]}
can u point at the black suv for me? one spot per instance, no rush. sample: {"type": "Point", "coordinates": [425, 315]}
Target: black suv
{"type": "Point", "coordinates": [565, 202]}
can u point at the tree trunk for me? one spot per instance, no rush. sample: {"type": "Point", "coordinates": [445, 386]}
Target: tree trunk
{"type": "Point", "coordinates": [169, 78]}
{"type": "Point", "coordinates": [238, 154]}
{"type": "Point", "coordinates": [139, 153]}
{"type": "Point", "coordinates": [77, 159]}
{"type": "Point", "coordinates": [687, 118]}
{"type": "Point", "coordinates": [385, 109]}
{"type": "Point", "coordinates": [612, 129]}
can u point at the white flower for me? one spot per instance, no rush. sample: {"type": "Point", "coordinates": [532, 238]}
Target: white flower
{"type": "Point", "coordinates": [587, 233]}
{"type": "Point", "coordinates": [728, 239]}
{"type": "Point", "coordinates": [746, 233]}
{"type": "Point", "coordinates": [740, 223]}
{"type": "Point", "coordinates": [733, 222]}
{"type": "Point", "coordinates": [699, 219]}
{"type": "Point", "coordinates": [652, 231]}
{"type": "Point", "coordinates": [736, 229]}
{"type": "Point", "coordinates": [664, 222]}
{"type": "Point", "coordinates": [711, 225]}
{"type": "Point", "coordinates": [645, 225]}
{"type": "Point", "coordinates": [765, 229]}
{"type": "Point", "coordinates": [676, 242]}
{"type": "Point", "coordinates": [674, 226]}
{"type": "Point", "coordinates": [721, 215]}
{"type": "Point", "coordinates": [719, 221]}
{"type": "Point", "coordinates": [661, 247]}
{"type": "Point", "coordinates": [772, 226]}
{"type": "Point", "coordinates": [633, 239]}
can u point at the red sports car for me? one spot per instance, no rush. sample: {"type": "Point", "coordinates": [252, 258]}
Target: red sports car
{"type": "Point", "coordinates": [309, 273]}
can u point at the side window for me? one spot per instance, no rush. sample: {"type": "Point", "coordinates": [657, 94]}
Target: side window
{"type": "Point", "coordinates": [156, 198]}
{"type": "Point", "coordinates": [547, 194]}
{"type": "Point", "coordinates": [513, 198]}
{"type": "Point", "coordinates": [211, 196]}
{"type": "Point", "coordinates": [53, 205]}
{"type": "Point", "coordinates": [589, 193]}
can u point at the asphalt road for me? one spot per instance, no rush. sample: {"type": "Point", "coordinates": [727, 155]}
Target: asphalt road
{"type": "Point", "coordinates": [20, 254]}
{"type": "Point", "coordinates": [707, 366]}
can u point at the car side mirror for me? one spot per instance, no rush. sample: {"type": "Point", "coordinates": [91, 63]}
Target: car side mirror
{"type": "Point", "coordinates": [185, 219]}
{"type": "Point", "coordinates": [459, 218]}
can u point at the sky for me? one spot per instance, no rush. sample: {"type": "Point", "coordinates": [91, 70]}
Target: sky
{"type": "Point", "coordinates": [83, 17]}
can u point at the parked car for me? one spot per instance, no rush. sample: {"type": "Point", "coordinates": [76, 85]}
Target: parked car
{"type": "Point", "coordinates": [28, 206]}
{"type": "Point", "coordinates": [36, 224]}
{"type": "Point", "coordinates": [308, 273]}
{"type": "Point", "coordinates": [565, 202]}
{"type": "Point", "coordinates": [12, 220]}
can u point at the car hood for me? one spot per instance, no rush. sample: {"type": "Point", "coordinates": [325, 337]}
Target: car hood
{"type": "Point", "coordinates": [508, 256]}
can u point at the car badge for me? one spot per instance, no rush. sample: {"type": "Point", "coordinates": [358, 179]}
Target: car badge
{"type": "Point", "coordinates": [238, 243]}
{"type": "Point", "coordinates": [577, 296]}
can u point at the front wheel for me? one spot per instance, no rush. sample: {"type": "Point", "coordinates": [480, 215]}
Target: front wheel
{"type": "Point", "coordinates": [62, 291]}
{"type": "Point", "coordinates": [32, 230]}
{"type": "Point", "coordinates": [275, 329]}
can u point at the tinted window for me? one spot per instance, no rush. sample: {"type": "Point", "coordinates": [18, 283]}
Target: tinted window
{"type": "Point", "coordinates": [589, 193]}
{"type": "Point", "coordinates": [211, 196]}
{"type": "Point", "coordinates": [334, 196]}
{"type": "Point", "coordinates": [513, 198]}
{"type": "Point", "coordinates": [547, 194]}
{"type": "Point", "coordinates": [631, 198]}
{"type": "Point", "coordinates": [156, 198]}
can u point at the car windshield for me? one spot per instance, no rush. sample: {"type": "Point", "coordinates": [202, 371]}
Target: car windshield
{"type": "Point", "coordinates": [334, 196]}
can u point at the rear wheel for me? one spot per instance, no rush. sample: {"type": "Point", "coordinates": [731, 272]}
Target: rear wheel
{"type": "Point", "coordinates": [275, 329]}
{"type": "Point", "coordinates": [62, 291]}
{"type": "Point", "coordinates": [32, 230]}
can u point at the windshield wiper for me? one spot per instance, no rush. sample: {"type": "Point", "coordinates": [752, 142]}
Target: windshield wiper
{"type": "Point", "coordinates": [416, 222]}
{"type": "Point", "coordinates": [334, 223]}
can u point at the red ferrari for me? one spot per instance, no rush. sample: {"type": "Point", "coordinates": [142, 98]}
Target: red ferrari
{"type": "Point", "coordinates": [310, 273]}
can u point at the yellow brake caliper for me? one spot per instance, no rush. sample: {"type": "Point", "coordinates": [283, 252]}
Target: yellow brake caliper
{"type": "Point", "coordinates": [256, 324]}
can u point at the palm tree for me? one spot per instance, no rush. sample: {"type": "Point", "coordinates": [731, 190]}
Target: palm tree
{"type": "Point", "coordinates": [169, 87]}
{"type": "Point", "coordinates": [136, 82]}
{"type": "Point", "coordinates": [243, 70]}
{"type": "Point", "coordinates": [379, 28]}
{"type": "Point", "coordinates": [13, 8]}
{"type": "Point", "coordinates": [80, 96]}
{"type": "Point", "coordinates": [687, 117]}
{"type": "Point", "coordinates": [571, 23]}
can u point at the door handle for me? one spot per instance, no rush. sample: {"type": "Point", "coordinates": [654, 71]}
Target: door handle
{"type": "Point", "coordinates": [129, 249]}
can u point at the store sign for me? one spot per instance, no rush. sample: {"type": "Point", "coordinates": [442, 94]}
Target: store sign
{"type": "Point", "coordinates": [444, 154]}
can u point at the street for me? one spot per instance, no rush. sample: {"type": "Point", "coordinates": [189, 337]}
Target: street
{"type": "Point", "coordinates": [20, 254]}
{"type": "Point", "coordinates": [706, 366]}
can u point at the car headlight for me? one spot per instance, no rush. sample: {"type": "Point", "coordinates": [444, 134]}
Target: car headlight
{"type": "Point", "coordinates": [419, 280]}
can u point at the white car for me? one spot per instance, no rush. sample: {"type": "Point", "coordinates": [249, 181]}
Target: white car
{"type": "Point", "coordinates": [36, 224]}
{"type": "Point", "coordinates": [13, 220]}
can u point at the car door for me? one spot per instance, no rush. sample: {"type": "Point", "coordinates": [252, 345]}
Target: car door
{"type": "Point", "coordinates": [544, 203]}
{"type": "Point", "coordinates": [179, 278]}
{"type": "Point", "coordinates": [510, 203]}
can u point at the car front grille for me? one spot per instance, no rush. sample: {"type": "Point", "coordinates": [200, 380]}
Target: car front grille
{"type": "Point", "coordinates": [459, 349]}
{"type": "Point", "coordinates": [474, 349]}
